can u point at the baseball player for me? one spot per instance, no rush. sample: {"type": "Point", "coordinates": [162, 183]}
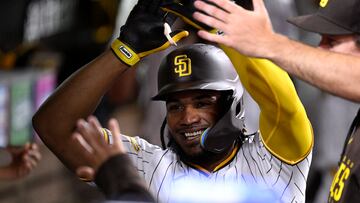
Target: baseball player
{"type": "Point", "coordinates": [205, 115]}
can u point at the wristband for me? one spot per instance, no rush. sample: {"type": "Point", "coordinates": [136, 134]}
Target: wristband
{"type": "Point", "coordinates": [124, 53]}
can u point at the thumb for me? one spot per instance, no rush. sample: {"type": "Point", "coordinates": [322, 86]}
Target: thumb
{"type": "Point", "coordinates": [85, 173]}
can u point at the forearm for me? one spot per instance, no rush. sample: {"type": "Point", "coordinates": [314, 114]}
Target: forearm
{"type": "Point", "coordinates": [336, 73]}
{"type": "Point", "coordinates": [284, 126]}
{"type": "Point", "coordinates": [76, 98]}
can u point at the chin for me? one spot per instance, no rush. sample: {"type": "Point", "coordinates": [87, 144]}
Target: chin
{"type": "Point", "coordinates": [196, 153]}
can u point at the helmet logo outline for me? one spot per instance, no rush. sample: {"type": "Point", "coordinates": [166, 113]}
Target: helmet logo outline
{"type": "Point", "coordinates": [182, 65]}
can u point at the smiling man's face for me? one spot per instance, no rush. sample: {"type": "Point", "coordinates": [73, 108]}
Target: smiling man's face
{"type": "Point", "coordinates": [189, 114]}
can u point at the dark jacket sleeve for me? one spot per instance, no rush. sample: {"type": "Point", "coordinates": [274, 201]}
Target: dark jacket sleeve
{"type": "Point", "coordinates": [119, 180]}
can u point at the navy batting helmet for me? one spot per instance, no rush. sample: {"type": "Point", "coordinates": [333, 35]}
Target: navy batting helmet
{"type": "Point", "coordinates": [206, 67]}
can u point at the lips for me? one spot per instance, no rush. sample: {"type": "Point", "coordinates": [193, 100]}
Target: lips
{"type": "Point", "coordinates": [192, 135]}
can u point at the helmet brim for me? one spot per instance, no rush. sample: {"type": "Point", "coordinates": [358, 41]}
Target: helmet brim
{"type": "Point", "coordinates": [164, 93]}
{"type": "Point", "coordinates": [318, 24]}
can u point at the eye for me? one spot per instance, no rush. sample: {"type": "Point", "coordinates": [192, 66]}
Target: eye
{"type": "Point", "coordinates": [202, 104]}
{"type": "Point", "coordinates": [174, 107]}
{"type": "Point", "coordinates": [206, 103]}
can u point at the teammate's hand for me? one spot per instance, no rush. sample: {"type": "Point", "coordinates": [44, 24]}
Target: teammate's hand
{"type": "Point", "coordinates": [24, 160]}
{"type": "Point", "coordinates": [249, 32]}
{"type": "Point", "coordinates": [143, 33]}
{"type": "Point", "coordinates": [185, 10]}
{"type": "Point", "coordinates": [93, 147]}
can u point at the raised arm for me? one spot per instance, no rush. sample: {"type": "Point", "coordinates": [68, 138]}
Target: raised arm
{"type": "Point", "coordinates": [79, 95]}
{"type": "Point", "coordinates": [76, 98]}
{"type": "Point", "coordinates": [285, 129]}
{"type": "Point", "coordinates": [251, 33]}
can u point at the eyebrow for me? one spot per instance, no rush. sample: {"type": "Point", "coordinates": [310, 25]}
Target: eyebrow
{"type": "Point", "coordinates": [199, 97]}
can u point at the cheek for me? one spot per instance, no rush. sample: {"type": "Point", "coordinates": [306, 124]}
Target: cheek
{"type": "Point", "coordinates": [171, 122]}
{"type": "Point", "coordinates": [210, 117]}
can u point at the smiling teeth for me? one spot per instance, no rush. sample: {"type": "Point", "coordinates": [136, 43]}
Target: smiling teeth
{"type": "Point", "coordinates": [193, 134]}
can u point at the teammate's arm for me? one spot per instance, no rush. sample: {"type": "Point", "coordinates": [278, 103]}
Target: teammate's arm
{"type": "Point", "coordinates": [251, 33]}
{"type": "Point", "coordinates": [79, 95]}
{"type": "Point", "coordinates": [284, 126]}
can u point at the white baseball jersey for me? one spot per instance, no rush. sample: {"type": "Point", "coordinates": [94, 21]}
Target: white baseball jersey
{"type": "Point", "coordinates": [251, 164]}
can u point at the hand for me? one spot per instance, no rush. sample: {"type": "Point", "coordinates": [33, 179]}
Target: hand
{"type": "Point", "coordinates": [185, 9]}
{"type": "Point", "coordinates": [24, 160]}
{"type": "Point", "coordinates": [249, 32]}
{"type": "Point", "coordinates": [94, 148]}
{"type": "Point", "coordinates": [143, 33]}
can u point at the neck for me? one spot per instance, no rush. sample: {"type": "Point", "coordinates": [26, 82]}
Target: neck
{"type": "Point", "coordinates": [210, 161]}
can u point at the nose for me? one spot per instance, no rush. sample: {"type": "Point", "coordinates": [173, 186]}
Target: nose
{"type": "Point", "coordinates": [190, 116]}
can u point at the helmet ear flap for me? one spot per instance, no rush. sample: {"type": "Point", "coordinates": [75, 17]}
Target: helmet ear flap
{"type": "Point", "coordinates": [227, 129]}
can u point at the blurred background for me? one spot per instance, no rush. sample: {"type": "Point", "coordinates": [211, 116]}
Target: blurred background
{"type": "Point", "coordinates": [43, 41]}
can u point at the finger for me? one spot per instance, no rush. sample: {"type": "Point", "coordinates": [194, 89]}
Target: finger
{"type": "Point", "coordinates": [225, 5]}
{"type": "Point", "coordinates": [85, 173]}
{"type": "Point", "coordinates": [216, 12]}
{"type": "Point", "coordinates": [90, 134]}
{"type": "Point", "coordinates": [210, 21]}
{"type": "Point", "coordinates": [26, 163]}
{"type": "Point", "coordinates": [212, 37]}
{"type": "Point", "coordinates": [30, 162]}
{"type": "Point", "coordinates": [34, 146]}
{"type": "Point", "coordinates": [115, 129]}
{"type": "Point", "coordinates": [35, 155]}
{"type": "Point", "coordinates": [86, 149]}
{"type": "Point", "coordinates": [82, 126]}
{"type": "Point", "coordinates": [27, 146]}
{"type": "Point", "coordinates": [98, 129]}
{"type": "Point", "coordinates": [94, 121]}
{"type": "Point", "coordinates": [34, 152]}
